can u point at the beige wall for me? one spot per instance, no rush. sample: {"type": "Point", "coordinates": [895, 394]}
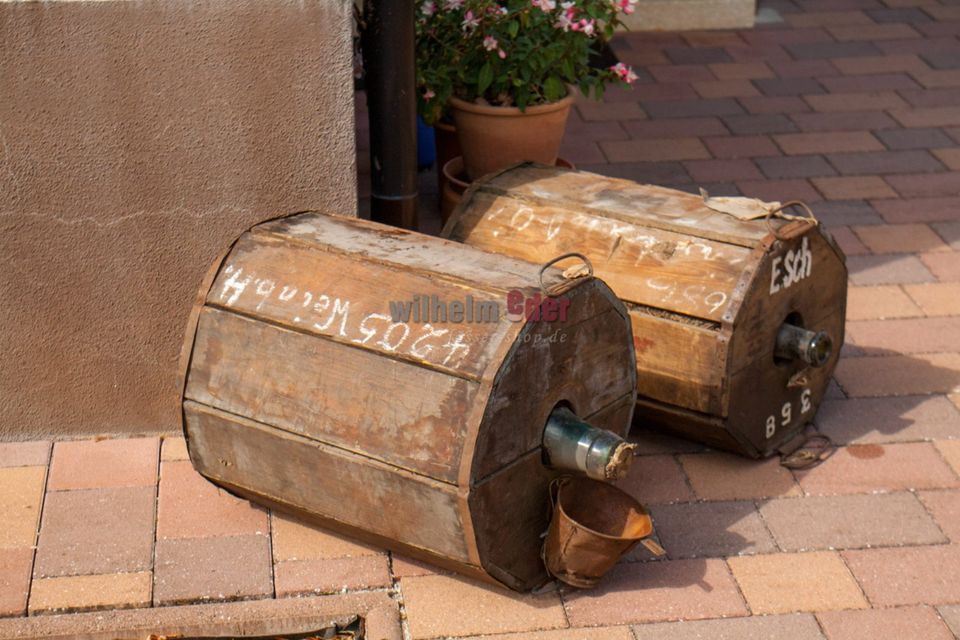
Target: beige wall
{"type": "Point", "coordinates": [137, 139]}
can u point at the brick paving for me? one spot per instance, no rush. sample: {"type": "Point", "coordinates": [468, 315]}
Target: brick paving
{"type": "Point", "coordinates": [853, 105]}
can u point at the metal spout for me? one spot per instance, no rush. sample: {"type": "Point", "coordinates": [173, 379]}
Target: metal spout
{"type": "Point", "coordinates": [813, 347]}
{"type": "Point", "coordinates": [573, 445]}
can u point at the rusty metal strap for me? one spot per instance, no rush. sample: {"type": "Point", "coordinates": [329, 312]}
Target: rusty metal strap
{"type": "Point", "coordinates": [573, 276]}
{"type": "Point", "coordinates": [791, 230]}
{"type": "Point", "coordinates": [807, 451]}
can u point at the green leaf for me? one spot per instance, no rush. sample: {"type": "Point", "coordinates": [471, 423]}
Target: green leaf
{"type": "Point", "coordinates": [484, 78]}
{"type": "Point", "coordinates": [513, 28]}
{"type": "Point", "coordinates": [553, 89]}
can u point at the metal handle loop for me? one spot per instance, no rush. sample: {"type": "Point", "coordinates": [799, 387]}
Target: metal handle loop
{"type": "Point", "coordinates": [571, 282]}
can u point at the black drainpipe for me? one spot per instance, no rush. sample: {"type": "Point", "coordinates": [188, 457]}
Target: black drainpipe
{"type": "Point", "coordinates": [388, 43]}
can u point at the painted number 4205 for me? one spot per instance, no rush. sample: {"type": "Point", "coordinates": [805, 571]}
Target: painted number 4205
{"type": "Point", "coordinates": [786, 413]}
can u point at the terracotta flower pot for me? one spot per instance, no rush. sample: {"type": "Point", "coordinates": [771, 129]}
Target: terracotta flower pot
{"type": "Point", "coordinates": [456, 182]}
{"type": "Point", "coordinates": [448, 148]}
{"type": "Point", "coordinates": [496, 137]}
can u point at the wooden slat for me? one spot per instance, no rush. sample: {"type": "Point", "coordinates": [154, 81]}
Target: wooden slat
{"type": "Point", "coordinates": [347, 299]}
{"type": "Point", "coordinates": [330, 392]}
{"type": "Point", "coordinates": [645, 205]}
{"type": "Point", "coordinates": [324, 480]}
{"type": "Point", "coordinates": [411, 251]}
{"type": "Point", "coordinates": [683, 273]}
{"type": "Point", "coordinates": [678, 363]}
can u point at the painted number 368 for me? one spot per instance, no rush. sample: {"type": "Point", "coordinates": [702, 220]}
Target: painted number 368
{"type": "Point", "coordinates": [786, 413]}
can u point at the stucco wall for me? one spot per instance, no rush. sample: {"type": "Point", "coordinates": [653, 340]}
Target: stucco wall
{"type": "Point", "coordinates": [137, 139]}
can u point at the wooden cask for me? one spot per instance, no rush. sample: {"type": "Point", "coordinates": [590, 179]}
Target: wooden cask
{"type": "Point", "coordinates": [304, 391]}
{"type": "Point", "coordinates": [708, 294]}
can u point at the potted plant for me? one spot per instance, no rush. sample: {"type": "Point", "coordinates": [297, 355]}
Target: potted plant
{"type": "Point", "coordinates": [504, 69]}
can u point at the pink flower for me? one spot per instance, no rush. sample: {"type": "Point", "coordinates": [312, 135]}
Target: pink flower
{"type": "Point", "coordinates": [428, 95]}
{"type": "Point", "coordinates": [470, 21]}
{"type": "Point", "coordinates": [544, 5]}
{"type": "Point", "coordinates": [627, 6]}
{"type": "Point", "coordinates": [428, 8]}
{"type": "Point", "coordinates": [625, 72]}
{"type": "Point", "coordinates": [451, 5]}
{"type": "Point", "coordinates": [502, 54]}
{"type": "Point", "coordinates": [565, 20]}
{"type": "Point", "coordinates": [490, 43]}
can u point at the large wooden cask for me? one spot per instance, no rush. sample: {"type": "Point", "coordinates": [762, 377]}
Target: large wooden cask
{"type": "Point", "coordinates": [733, 319]}
{"type": "Point", "coordinates": [306, 390]}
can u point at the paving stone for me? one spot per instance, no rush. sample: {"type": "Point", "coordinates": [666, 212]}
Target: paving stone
{"type": "Point", "coordinates": [849, 243]}
{"type": "Point", "coordinates": [894, 419]}
{"type": "Point", "coordinates": [918, 209]}
{"type": "Point", "coordinates": [827, 18]}
{"type": "Point", "coordinates": [887, 269]}
{"type": "Point", "coordinates": [893, 31]}
{"type": "Point", "coordinates": [741, 146]}
{"type": "Point", "coordinates": [900, 238]}
{"type": "Point", "coordinates": [99, 464]}
{"type": "Point", "coordinates": [943, 59]}
{"type": "Point", "coordinates": [795, 167]}
{"type": "Point", "coordinates": [885, 162]}
{"type": "Point", "coordinates": [723, 476]}
{"type": "Point", "coordinates": [899, 375]}
{"type": "Point", "coordinates": [721, 170]}
{"type": "Point", "coordinates": [680, 72]}
{"type": "Point", "coordinates": [454, 606]}
{"type": "Point", "coordinates": [662, 91]}
{"type": "Point", "coordinates": [172, 449]}
{"type": "Point", "coordinates": [927, 185]}
{"type": "Point", "coordinates": [24, 454]}
{"type": "Point", "coordinates": [219, 568]}
{"type": "Point", "coordinates": [938, 79]}
{"type": "Point", "coordinates": [841, 102]}
{"type": "Point", "coordinates": [191, 506]}
{"type": "Point", "coordinates": [96, 531]}
{"type": "Point", "coordinates": [909, 15]}
{"type": "Point", "coordinates": [595, 130]}
{"type": "Point", "coordinates": [594, 633]}
{"type": "Point", "coordinates": [949, 157]}
{"type": "Point", "coordinates": [878, 82]}
{"type": "Point", "coordinates": [795, 582]}
{"type": "Point", "coordinates": [87, 593]}
{"type": "Point", "coordinates": [847, 212]}
{"type": "Point", "coordinates": [331, 575]}
{"type": "Point", "coordinates": [936, 299]}
{"type": "Point", "coordinates": [711, 529]}
{"type": "Point", "coordinates": [649, 151]}
{"type": "Point", "coordinates": [789, 86]}
{"type": "Point", "coordinates": [909, 335]}
{"type": "Point", "coordinates": [927, 117]}
{"type": "Point", "coordinates": [945, 266]}
{"type": "Point", "coordinates": [403, 567]}
{"type": "Point", "coordinates": [594, 111]}
{"type": "Point", "coordinates": [657, 591]}
{"type": "Point", "coordinates": [21, 494]}
{"type": "Point", "coordinates": [725, 88]}
{"type": "Point", "coordinates": [651, 442]}
{"type": "Point", "coordinates": [779, 190]}
{"type": "Point", "coordinates": [656, 479]}
{"type": "Point", "coordinates": [675, 128]}
{"type": "Point", "coordinates": [921, 138]}
{"type": "Point", "coordinates": [843, 121]}
{"type": "Point", "coordinates": [850, 522]}
{"type": "Point", "coordinates": [866, 468]}
{"type": "Point", "coordinates": [759, 124]}
{"type": "Point", "coordinates": [774, 104]}
{"type": "Point", "coordinates": [903, 63]}
{"type": "Point", "coordinates": [905, 622]}
{"type": "Point", "coordinates": [799, 626]}
{"type": "Point", "coordinates": [740, 70]}
{"type": "Point", "coordinates": [662, 173]}
{"type": "Point", "coordinates": [853, 187]}
{"type": "Point", "coordinates": [786, 36]}
{"type": "Point", "coordinates": [836, 142]}
{"type": "Point", "coordinates": [907, 575]}
{"type": "Point", "coordinates": [14, 580]}
{"type": "Point", "coordinates": [875, 303]}
{"type": "Point", "coordinates": [932, 97]}
{"type": "Point", "coordinates": [830, 50]}
{"type": "Point", "coordinates": [581, 151]}
{"type": "Point", "coordinates": [691, 108]}
{"type": "Point", "coordinates": [296, 540]}
{"type": "Point", "coordinates": [803, 68]}
{"type": "Point", "coordinates": [945, 508]}
{"type": "Point", "coordinates": [950, 450]}
{"type": "Point", "coordinates": [704, 55]}
{"type": "Point", "coordinates": [951, 616]}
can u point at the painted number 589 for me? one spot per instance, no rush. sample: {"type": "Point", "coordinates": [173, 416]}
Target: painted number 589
{"type": "Point", "coordinates": [786, 414]}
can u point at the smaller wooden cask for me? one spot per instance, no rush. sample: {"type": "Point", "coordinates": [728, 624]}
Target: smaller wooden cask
{"type": "Point", "coordinates": [321, 379]}
{"type": "Point", "coordinates": [737, 323]}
